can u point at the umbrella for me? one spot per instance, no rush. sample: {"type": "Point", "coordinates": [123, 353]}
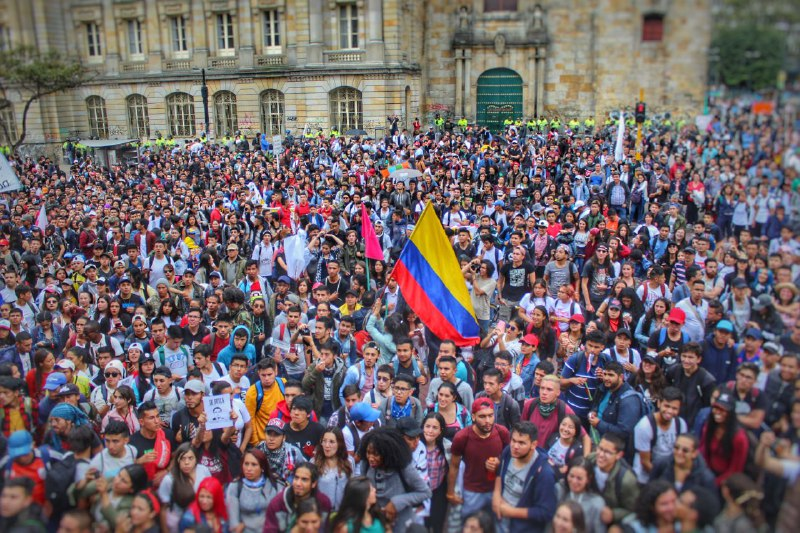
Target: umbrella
{"type": "Point", "coordinates": [405, 175]}
{"type": "Point", "coordinates": [353, 133]}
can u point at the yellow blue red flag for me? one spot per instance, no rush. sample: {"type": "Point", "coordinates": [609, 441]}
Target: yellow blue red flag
{"type": "Point", "coordinates": [431, 282]}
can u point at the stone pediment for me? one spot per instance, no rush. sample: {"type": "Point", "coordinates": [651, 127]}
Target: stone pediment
{"type": "Point", "coordinates": [470, 32]}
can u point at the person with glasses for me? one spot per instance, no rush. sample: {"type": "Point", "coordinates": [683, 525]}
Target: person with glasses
{"type": "Point", "coordinates": [684, 467]}
{"type": "Point", "coordinates": [402, 403]}
{"type": "Point", "coordinates": [615, 480]}
{"type": "Point", "coordinates": [751, 403]}
{"type": "Point", "coordinates": [102, 395]}
{"type": "Point", "coordinates": [383, 387]}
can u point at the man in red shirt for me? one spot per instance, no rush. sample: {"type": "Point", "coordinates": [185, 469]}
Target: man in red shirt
{"type": "Point", "coordinates": [480, 445]}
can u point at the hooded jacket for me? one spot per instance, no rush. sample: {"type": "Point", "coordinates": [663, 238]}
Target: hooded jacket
{"type": "Point", "coordinates": [538, 493]}
{"type": "Point", "coordinates": [228, 352]}
{"type": "Point", "coordinates": [281, 516]}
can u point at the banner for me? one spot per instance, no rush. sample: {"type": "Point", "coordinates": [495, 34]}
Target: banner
{"type": "Point", "coordinates": [9, 182]}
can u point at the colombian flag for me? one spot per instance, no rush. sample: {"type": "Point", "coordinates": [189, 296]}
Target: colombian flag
{"type": "Point", "coordinates": [432, 284]}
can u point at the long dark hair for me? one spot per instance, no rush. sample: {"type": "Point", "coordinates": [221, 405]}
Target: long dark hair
{"type": "Point", "coordinates": [312, 469]}
{"type": "Point", "coordinates": [342, 458]}
{"type": "Point", "coordinates": [263, 462]}
{"type": "Point", "coordinates": [442, 425]}
{"type": "Point", "coordinates": [730, 426]}
{"type": "Point", "coordinates": [651, 313]}
{"type": "Point", "coordinates": [658, 381]}
{"type": "Point", "coordinates": [182, 486]}
{"type": "Point", "coordinates": [354, 505]}
{"type": "Point", "coordinates": [646, 501]}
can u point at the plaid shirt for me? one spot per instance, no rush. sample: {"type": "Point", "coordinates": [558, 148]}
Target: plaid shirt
{"type": "Point", "coordinates": [28, 412]}
{"type": "Point", "coordinates": [437, 467]}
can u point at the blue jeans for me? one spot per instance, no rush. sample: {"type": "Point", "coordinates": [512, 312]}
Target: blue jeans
{"type": "Point", "coordinates": [621, 211]}
{"type": "Point", "coordinates": [475, 501]}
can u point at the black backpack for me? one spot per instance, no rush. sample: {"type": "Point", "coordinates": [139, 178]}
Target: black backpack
{"type": "Point", "coordinates": [60, 475]}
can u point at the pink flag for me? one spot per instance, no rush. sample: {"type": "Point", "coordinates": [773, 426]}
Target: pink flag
{"type": "Point", "coordinates": [372, 248]}
{"type": "Point", "coordinates": [41, 220]}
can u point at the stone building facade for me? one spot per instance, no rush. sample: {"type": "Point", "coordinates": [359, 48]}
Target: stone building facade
{"type": "Point", "coordinates": [272, 65]}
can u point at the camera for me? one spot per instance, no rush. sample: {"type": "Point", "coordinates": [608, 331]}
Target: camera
{"type": "Point", "coordinates": [475, 267]}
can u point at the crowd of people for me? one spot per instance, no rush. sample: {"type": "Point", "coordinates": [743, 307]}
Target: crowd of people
{"type": "Point", "coordinates": [638, 367]}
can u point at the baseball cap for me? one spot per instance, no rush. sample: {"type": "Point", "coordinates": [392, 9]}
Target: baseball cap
{"type": "Point", "coordinates": [542, 224]}
{"type": "Point", "coordinates": [739, 283]}
{"type": "Point", "coordinates": [499, 203]}
{"type": "Point", "coordinates": [66, 364]}
{"type": "Point", "coordinates": [530, 339]}
{"type": "Point", "coordinates": [624, 331]}
{"type": "Point", "coordinates": [116, 365]}
{"type": "Point", "coordinates": [725, 325]}
{"type": "Point", "coordinates": [91, 266]}
{"type": "Point", "coordinates": [364, 412]}
{"type": "Point", "coordinates": [216, 274]}
{"type": "Point", "coordinates": [232, 247]}
{"type": "Point", "coordinates": [754, 333]}
{"type": "Point", "coordinates": [5, 324]}
{"type": "Point", "coordinates": [4, 242]}
{"type": "Point", "coordinates": [119, 264]}
{"type": "Point", "coordinates": [677, 315]}
{"type": "Point", "coordinates": [55, 381]}
{"type": "Point", "coordinates": [482, 403]}
{"type": "Point", "coordinates": [19, 443]}
{"type": "Point", "coordinates": [136, 346]}
{"type": "Point", "coordinates": [579, 318]}
{"type": "Point", "coordinates": [124, 279]}
{"type": "Point", "coordinates": [689, 250]}
{"type": "Point", "coordinates": [275, 425]}
{"type": "Point", "coordinates": [69, 388]}
{"type": "Point", "coordinates": [773, 347]}
{"type": "Point", "coordinates": [285, 279]}
{"type": "Point", "coordinates": [194, 385]}
{"type": "Point", "coordinates": [725, 401]}
{"type": "Point", "coordinates": [409, 427]}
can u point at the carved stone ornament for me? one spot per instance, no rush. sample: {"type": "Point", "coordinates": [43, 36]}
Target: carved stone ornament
{"type": "Point", "coordinates": [500, 44]}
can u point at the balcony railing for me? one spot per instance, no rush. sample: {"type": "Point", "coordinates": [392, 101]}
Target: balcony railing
{"type": "Point", "coordinates": [177, 64]}
{"type": "Point", "coordinates": [271, 60]}
{"type": "Point", "coordinates": [222, 62]}
{"type": "Point", "coordinates": [134, 66]}
{"type": "Point", "coordinates": [344, 56]}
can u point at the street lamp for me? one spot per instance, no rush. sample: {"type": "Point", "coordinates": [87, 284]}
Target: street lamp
{"type": "Point", "coordinates": [204, 94]}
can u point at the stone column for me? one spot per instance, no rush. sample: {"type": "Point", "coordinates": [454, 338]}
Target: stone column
{"type": "Point", "coordinates": [246, 23]}
{"type": "Point", "coordinates": [540, 62]}
{"type": "Point", "coordinates": [153, 30]}
{"type": "Point", "coordinates": [468, 107]}
{"type": "Point", "coordinates": [459, 82]}
{"type": "Point", "coordinates": [315, 34]}
{"type": "Point", "coordinates": [529, 103]}
{"type": "Point", "coordinates": [198, 35]}
{"type": "Point", "coordinates": [109, 35]}
{"type": "Point", "coordinates": [375, 47]}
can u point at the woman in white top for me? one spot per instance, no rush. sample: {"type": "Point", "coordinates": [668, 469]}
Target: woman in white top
{"type": "Point", "coordinates": [335, 465]}
{"type": "Point", "coordinates": [179, 485]}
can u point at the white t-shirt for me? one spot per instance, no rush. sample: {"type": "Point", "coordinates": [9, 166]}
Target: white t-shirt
{"type": "Point", "coordinates": [109, 466]}
{"type": "Point", "coordinates": [156, 267]}
{"type": "Point", "coordinates": [665, 440]}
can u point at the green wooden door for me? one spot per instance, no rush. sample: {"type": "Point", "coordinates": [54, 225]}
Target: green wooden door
{"type": "Point", "coordinates": [499, 97]}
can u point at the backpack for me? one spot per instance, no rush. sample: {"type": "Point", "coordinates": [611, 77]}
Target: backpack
{"type": "Point", "coordinates": [530, 405]}
{"type": "Point", "coordinates": [60, 475]}
{"type": "Point", "coordinates": [620, 475]}
{"type": "Point", "coordinates": [361, 338]}
{"type": "Point", "coordinates": [646, 289]}
{"type": "Point", "coordinates": [662, 336]}
{"type": "Point", "coordinates": [472, 377]}
{"type": "Point", "coordinates": [636, 194]}
{"type": "Point", "coordinates": [260, 392]}
{"type": "Point", "coordinates": [680, 427]}
{"type": "Point", "coordinates": [644, 406]}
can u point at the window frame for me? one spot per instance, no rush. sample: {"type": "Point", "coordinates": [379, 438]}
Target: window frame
{"type": "Point", "coordinates": [180, 114]}
{"type": "Point", "coordinates": [271, 31]}
{"type": "Point", "coordinates": [138, 116]}
{"type": "Point", "coordinates": [135, 39]}
{"type": "Point", "coordinates": [179, 35]}
{"type": "Point", "coordinates": [273, 112]}
{"type": "Point", "coordinates": [226, 34]}
{"type": "Point", "coordinates": [346, 108]}
{"type": "Point", "coordinates": [347, 31]}
{"type": "Point", "coordinates": [497, 6]}
{"type": "Point", "coordinates": [94, 42]}
{"type": "Point", "coordinates": [226, 114]}
{"type": "Point", "coordinates": [98, 116]}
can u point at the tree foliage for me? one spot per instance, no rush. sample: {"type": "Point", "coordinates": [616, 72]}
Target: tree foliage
{"type": "Point", "coordinates": [35, 75]}
{"type": "Point", "coordinates": [749, 56]}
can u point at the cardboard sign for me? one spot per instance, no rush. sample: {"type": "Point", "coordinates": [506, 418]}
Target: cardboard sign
{"type": "Point", "coordinates": [218, 411]}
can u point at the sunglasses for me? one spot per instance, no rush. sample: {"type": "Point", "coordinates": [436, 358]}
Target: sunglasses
{"type": "Point", "coordinates": [112, 374]}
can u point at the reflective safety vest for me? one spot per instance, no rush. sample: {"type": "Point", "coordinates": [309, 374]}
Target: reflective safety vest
{"type": "Point", "coordinates": [555, 124]}
{"type": "Point", "coordinates": [334, 132]}
{"type": "Point", "coordinates": [542, 122]}
{"type": "Point", "coordinates": [462, 123]}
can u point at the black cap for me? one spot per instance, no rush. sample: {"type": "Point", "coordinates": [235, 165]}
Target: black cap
{"type": "Point", "coordinates": [408, 426]}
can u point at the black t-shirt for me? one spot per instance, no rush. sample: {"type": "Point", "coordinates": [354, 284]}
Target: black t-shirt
{"type": "Point", "coordinates": [185, 424]}
{"type": "Point", "coordinates": [306, 439]}
{"type": "Point", "coordinates": [144, 445]}
{"type": "Point", "coordinates": [654, 344]}
{"type": "Point", "coordinates": [340, 287]}
{"type": "Point", "coordinates": [517, 280]}
{"type": "Point", "coordinates": [597, 275]}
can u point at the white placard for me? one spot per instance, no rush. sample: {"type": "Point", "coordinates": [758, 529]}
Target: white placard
{"type": "Point", "coordinates": [218, 411]}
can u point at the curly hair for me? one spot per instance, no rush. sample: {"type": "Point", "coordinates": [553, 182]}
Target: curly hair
{"type": "Point", "coordinates": [389, 445]}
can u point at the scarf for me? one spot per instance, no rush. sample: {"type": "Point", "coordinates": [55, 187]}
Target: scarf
{"type": "Point", "coordinates": [546, 409]}
{"type": "Point", "coordinates": [276, 458]}
{"type": "Point", "coordinates": [260, 482]}
{"type": "Point", "coordinates": [400, 411]}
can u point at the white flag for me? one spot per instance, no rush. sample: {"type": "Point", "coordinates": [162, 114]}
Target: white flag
{"type": "Point", "coordinates": [619, 153]}
{"type": "Point", "coordinates": [9, 182]}
{"type": "Point", "coordinates": [294, 248]}
{"type": "Point", "coordinates": [41, 219]}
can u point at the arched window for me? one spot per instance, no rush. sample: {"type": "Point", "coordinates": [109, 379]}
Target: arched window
{"type": "Point", "coordinates": [225, 117]}
{"type": "Point", "coordinates": [180, 114]}
{"type": "Point", "coordinates": [8, 124]}
{"type": "Point", "coordinates": [272, 109]}
{"type": "Point", "coordinates": [345, 109]}
{"type": "Point", "coordinates": [138, 117]}
{"type": "Point", "coordinates": [98, 120]}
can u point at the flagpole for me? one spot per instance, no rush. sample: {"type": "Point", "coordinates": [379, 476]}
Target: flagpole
{"type": "Point", "coordinates": [368, 282]}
